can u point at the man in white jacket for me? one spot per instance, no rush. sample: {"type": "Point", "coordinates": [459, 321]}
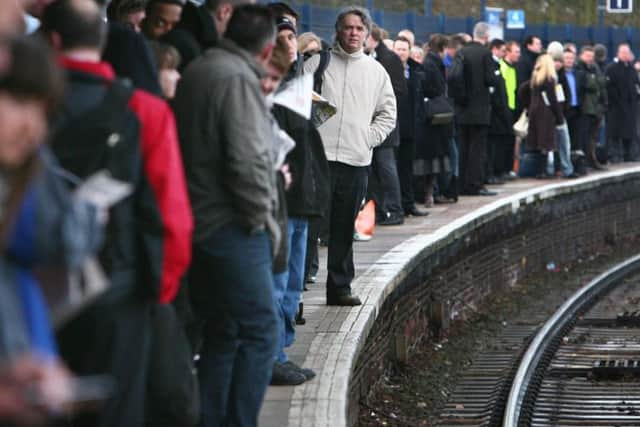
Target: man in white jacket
{"type": "Point", "coordinates": [361, 89]}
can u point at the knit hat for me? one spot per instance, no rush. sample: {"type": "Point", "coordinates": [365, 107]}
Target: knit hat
{"type": "Point", "coordinates": [284, 23]}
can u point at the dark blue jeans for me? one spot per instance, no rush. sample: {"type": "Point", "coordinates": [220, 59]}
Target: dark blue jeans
{"type": "Point", "coordinates": [232, 286]}
{"type": "Point", "coordinates": [289, 284]}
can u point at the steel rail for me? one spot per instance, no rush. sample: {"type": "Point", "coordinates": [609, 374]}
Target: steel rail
{"type": "Point", "coordinates": [551, 333]}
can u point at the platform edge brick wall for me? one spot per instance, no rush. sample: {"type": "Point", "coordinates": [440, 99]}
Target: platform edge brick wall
{"type": "Point", "coordinates": [447, 280]}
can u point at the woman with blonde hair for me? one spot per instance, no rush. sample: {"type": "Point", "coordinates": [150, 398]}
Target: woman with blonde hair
{"type": "Point", "coordinates": [544, 110]}
{"type": "Point", "coordinates": [309, 43]}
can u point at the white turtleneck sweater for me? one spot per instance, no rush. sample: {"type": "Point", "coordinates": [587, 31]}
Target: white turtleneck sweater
{"type": "Point", "coordinates": [361, 90]}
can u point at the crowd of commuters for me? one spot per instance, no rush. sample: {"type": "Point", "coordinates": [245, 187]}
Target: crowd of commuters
{"type": "Point", "coordinates": [161, 209]}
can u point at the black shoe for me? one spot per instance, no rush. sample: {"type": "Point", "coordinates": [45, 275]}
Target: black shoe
{"type": "Point", "coordinates": [485, 192]}
{"type": "Point", "coordinates": [284, 374]}
{"type": "Point", "coordinates": [299, 319]}
{"type": "Point", "coordinates": [310, 279]}
{"type": "Point", "coordinates": [572, 176]}
{"type": "Point", "coordinates": [392, 220]}
{"type": "Point", "coordinates": [414, 211]}
{"type": "Point", "coordinates": [308, 373]}
{"type": "Point", "coordinates": [344, 300]}
{"type": "Point", "coordinates": [442, 199]}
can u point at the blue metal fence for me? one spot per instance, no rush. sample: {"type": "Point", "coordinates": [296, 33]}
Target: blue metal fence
{"type": "Point", "coordinates": [321, 21]}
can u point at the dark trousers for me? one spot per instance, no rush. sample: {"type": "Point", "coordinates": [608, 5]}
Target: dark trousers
{"type": "Point", "coordinates": [472, 141]}
{"type": "Point", "coordinates": [573, 118]}
{"type": "Point", "coordinates": [113, 339]}
{"type": "Point", "coordinates": [494, 153]}
{"type": "Point", "coordinates": [619, 150]}
{"type": "Point", "coordinates": [386, 193]}
{"type": "Point", "coordinates": [311, 262]}
{"type": "Point", "coordinates": [232, 291]}
{"type": "Point", "coordinates": [348, 189]}
{"type": "Point", "coordinates": [406, 155]}
{"type": "Point", "coordinates": [503, 162]}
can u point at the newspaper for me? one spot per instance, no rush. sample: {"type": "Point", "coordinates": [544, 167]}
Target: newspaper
{"type": "Point", "coordinates": [296, 95]}
{"type": "Point", "coordinates": [322, 110]}
{"type": "Point", "coordinates": [70, 292]}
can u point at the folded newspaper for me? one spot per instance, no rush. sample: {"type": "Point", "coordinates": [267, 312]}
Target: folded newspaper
{"type": "Point", "coordinates": [321, 109]}
{"type": "Point", "coordinates": [69, 293]}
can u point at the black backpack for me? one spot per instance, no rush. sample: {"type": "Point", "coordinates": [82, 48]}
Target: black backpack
{"type": "Point", "coordinates": [106, 136]}
{"type": "Point", "coordinates": [456, 81]}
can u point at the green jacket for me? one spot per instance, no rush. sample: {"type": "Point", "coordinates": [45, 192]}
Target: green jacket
{"type": "Point", "coordinates": [508, 72]}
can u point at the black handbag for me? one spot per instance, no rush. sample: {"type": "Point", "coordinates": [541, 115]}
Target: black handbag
{"type": "Point", "coordinates": [438, 111]}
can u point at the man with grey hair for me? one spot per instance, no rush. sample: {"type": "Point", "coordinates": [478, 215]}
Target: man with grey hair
{"type": "Point", "coordinates": [474, 112]}
{"type": "Point", "coordinates": [361, 89]}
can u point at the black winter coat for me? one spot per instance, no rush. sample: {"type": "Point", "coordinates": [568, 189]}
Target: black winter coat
{"type": "Point", "coordinates": [410, 105]}
{"type": "Point", "coordinates": [524, 67]}
{"type": "Point", "coordinates": [435, 142]}
{"type": "Point", "coordinates": [622, 88]}
{"type": "Point", "coordinates": [564, 83]}
{"type": "Point", "coordinates": [130, 56]}
{"type": "Point", "coordinates": [501, 117]}
{"type": "Point", "coordinates": [393, 65]}
{"type": "Point", "coordinates": [478, 71]}
{"type": "Point", "coordinates": [309, 191]}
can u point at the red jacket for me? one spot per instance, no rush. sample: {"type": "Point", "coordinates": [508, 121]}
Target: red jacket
{"type": "Point", "coordinates": [164, 171]}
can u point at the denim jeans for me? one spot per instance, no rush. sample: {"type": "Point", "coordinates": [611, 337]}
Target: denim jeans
{"type": "Point", "coordinates": [232, 292]}
{"type": "Point", "coordinates": [289, 285]}
{"type": "Point", "coordinates": [563, 142]}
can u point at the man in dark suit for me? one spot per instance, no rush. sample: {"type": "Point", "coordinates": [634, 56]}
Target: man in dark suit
{"type": "Point", "coordinates": [500, 131]}
{"type": "Point", "coordinates": [474, 112]}
{"type": "Point", "coordinates": [386, 191]}
{"type": "Point", "coordinates": [622, 88]}
{"type": "Point", "coordinates": [524, 67]}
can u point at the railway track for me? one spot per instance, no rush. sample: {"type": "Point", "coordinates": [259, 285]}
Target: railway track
{"type": "Point", "coordinates": [580, 368]}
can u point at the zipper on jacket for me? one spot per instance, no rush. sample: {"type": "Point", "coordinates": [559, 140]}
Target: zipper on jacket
{"type": "Point", "coordinates": [344, 89]}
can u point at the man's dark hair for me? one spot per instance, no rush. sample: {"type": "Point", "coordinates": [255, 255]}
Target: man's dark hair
{"type": "Point", "coordinates": [456, 41]}
{"type": "Point", "coordinates": [587, 48]}
{"type": "Point", "coordinates": [259, 20]}
{"type": "Point", "coordinates": [496, 43]}
{"type": "Point", "coordinates": [438, 42]}
{"type": "Point", "coordinates": [403, 39]}
{"type": "Point", "coordinates": [33, 73]}
{"type": "Point", "coordinates": [151, 3]}
{"type": "Point", "coordinates": [281, 8]}
{"type": "Point", "coordinates": [119, 9]}
{"type": "Point", "coordinates": [528, 41]}
{"type": "Point", "coordinates": [78, 22]}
